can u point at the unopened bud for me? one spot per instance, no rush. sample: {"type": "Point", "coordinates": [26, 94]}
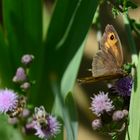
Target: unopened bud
{"type": "Point", "coordinates": [25, 113]}
{"type": "Point", "coordinates": [96, 124]}
{"type": "Point", "coordinates": [20, 75]}
{"type": "Point", "coordinates": [125, 112]}
{"type": "Point", "coordinates": [25, 86]}
{"type": "Point", "coordinates": [13, 121]}
{"type": "Point", "coordinates": [27, 59]}
{"type": "Point", "coordinates": [118, 115]}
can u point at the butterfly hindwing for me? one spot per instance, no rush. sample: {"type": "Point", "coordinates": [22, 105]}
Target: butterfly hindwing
{"type": "Point", "coordinates": [101, 66]}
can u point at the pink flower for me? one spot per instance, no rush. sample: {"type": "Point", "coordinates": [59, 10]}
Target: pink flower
{"type": "Point", "coordinates": [27, 59]}
{"type": "Point", "coordinates": [101, 103]}
{"type": "Point", "coordinates": [8, 100]}
{"type": "Point", "coordinates": [96, 124]}
{"type": "Point", "coordinates": [20, 75]}
{"type": "Point", "coordinates": [46, 126]}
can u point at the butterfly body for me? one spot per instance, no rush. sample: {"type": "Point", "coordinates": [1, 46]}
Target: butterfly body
{"type": "Point", "coordinates": [108, 61]}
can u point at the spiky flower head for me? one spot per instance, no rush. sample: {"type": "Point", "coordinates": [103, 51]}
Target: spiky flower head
{"type": "Point", "coordinates": [8, 100]}
{"type": "Point", "coordinates": [101, 103]}
{"type": "Point", "coordinates": [123, 86]}
{"type": "Point", "coordinates": [46, 125]}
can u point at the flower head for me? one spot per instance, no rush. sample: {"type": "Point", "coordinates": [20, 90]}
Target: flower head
{"type": "Point", "coordinates": [96, 124]}
{"type": "Point", "coordinates": [46, 126]}
{"type": "Point", "coordinates": [123, 86]}
{"type": "Point", "coordinates": [27, 59]}
{"type": "Point", "coordinates": [118, 115]}
{"type": "Point", "coordinates": [101, 103]}
{"type": "Point", "coordinates": [20, 75]}
{"type": "Point", "coordinates": [8, 100]}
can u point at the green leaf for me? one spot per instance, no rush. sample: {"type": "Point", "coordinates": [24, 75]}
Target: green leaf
{"type": "Point", "coordinates": [5, 63]}
{"type": "Point", "coordinates": [7, 132]}
{"type": "Point", "coordinates": [63, 51]}
{"type": "Point", "coordinates": [70, 118]}
{"type": "Point", "coordinates": [60, 21]}
{"type": "Point", "coordinates": [134, 114]}
{"type": "Point", "coordinates": [23, 25]}
{"type": "Point", "coordinates": [70, 74]}
{"type": "Point", "coordinates": [67, 111]}
{"type": "Point", "coordinates": [131, 4]}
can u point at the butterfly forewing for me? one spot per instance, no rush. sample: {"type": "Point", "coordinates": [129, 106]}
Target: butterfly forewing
{"type": "Point", "coordinates": [111, 42]}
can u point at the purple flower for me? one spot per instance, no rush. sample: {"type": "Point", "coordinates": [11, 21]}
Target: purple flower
{"type": "Point", "coordinates": [27, 59]}
{"type": "Point", "coordinates": [8, 100]}
{"type": "Point", "coordinates": [46, 126]}
{"type": "Point", "coordinates": [123, 86]}
{"type": "Point", "coordinates": [96, 124]}
{"type": "Point", "coordinates": [118, 115]}
{"type": "Point", "coordinates": [101, 103]}
{"type": "Point", "coordinates": [20, 75]}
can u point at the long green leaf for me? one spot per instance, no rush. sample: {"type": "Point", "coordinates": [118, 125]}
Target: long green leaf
{"type": "Point", "coordinates": [63, 53]}
{"type": "Point", "coordinates": [23, 26]}
{"type": "Point", "coordinates": [4, 62]}
{"type": "Point", "coordinates": [134, 115]}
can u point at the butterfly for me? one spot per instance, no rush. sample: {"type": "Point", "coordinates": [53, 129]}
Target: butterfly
{"type": "Point", "coordinates": [108, 61]}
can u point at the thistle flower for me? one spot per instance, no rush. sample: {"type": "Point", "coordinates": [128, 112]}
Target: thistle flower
{"type": "Point", "coordinates": [8, 100]}
{"type": "Point", "coordinates": [101, 103]}
{"type": "Point", "coordinates": [96, 124]}
{"type": "Point", "coordinates": [118, 115]}
{"type": "Point", "coordinates": [20, 75]}
{"type": "Point", "coordinates": [123, 86]}
{"type": "Point", "coordinates": [46, 126]}
{"type": "Point", "coordinates": [27, 59]}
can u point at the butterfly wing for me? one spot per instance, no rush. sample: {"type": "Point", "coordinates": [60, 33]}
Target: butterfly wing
{"type": "Point", "coordinates": [111, 43]}
{"type": "Point", "coordinates": [109, 59]}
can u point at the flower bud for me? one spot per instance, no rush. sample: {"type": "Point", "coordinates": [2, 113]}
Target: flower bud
{"type": "Point", "coordinates": [96, 124]}
{"type": "Point", "coordinates": [27, 59]}
{"type": "Point", "coordinates": [13, 121]}
{"type": "Point", "coordinates": [25, 113]}
{"type": "Point", "coordinates": [125, 112]}
{"type": "Point", "coordinates": [20, 75]}
{"type": "Point", "coordinates": [25, 86]}
{"type": "Point", "coordinates": [118, 115]}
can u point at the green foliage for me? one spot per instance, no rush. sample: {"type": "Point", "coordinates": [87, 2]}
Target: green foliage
{"type": "Point", "coordinates": [57, 59]}
{"type": "Point", "coordinates": [134, 115]}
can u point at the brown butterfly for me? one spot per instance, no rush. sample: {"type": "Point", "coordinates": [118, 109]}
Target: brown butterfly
{"type": "Point", "coordinates": [108, 62]}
